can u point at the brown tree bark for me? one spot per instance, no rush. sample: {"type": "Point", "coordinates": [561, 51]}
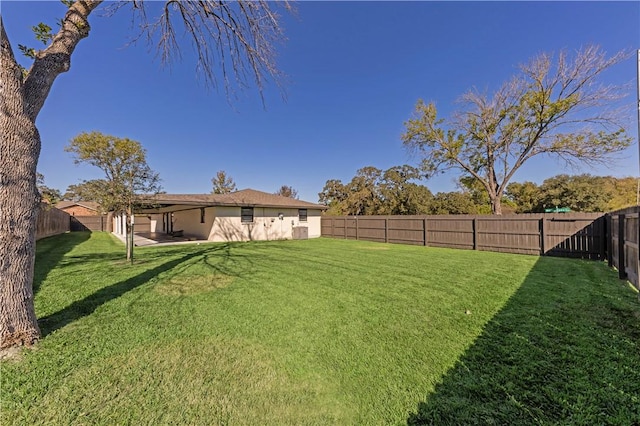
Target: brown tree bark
{"type": "Point", "coordinates": [19, 151]}
{"type": "Point", "coordinates": [496, 205]}
{"type": "Point", "coordinates": [20, 102]}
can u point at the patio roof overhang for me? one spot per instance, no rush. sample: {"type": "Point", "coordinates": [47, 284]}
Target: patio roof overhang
{"type": "Point", "coordinates": [246, 198]}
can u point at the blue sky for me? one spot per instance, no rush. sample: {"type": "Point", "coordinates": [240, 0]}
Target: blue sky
{"type": "Point", "coordinates": [355, 71]}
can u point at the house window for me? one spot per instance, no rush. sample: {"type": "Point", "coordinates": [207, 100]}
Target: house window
{"type": "Point", "coordinates": [302, 215]}
{"type": "Point", "coordinates": [247, 214]}
{"type": "Point", "coordinates": [201, 214]}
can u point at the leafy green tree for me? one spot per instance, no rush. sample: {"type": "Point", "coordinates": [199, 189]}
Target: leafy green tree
{"type": "Point", "coordinates": [581, 193]}
{"type": "Point", "coordinates": [452, 203]}
{"type": "Point", "coordinates": [222, 184]}
{"type": "Point", "coordinates": [549, 108]}
{"type": "Point", "coordinates": [373, 191]}
{"type": "Point", "coordinates": [401, 196]}
{"type": "Point", "coordinates": [234, 43]}
{"type": "Point", "coordinates": [48, 195]}
{"type": "Point", "coordinates": [625, 192]}
{"type": "Point", "coordinates": [127, 174]}
{"type": "Point", "coordinates": [476, 191]}
{"type": "Point", "coordinates": [525, 196]}
{"type": "Point", "coordinates": [363, 192]}
{"type": "Point", "coordinates": [287, 191]}
{"type": "Point", "coordinates": [87, 190]}
{"type": "Point", "coordinates": [334, 195]}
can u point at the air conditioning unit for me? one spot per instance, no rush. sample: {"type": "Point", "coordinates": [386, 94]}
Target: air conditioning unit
{"type": "Point", "coordinates": [300, 232]}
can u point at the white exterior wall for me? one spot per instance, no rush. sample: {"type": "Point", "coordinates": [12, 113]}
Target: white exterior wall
{"type": "Point", "coordinates": [189, 222]}
{"type": "Point", "coordinates": [266, 224]}
{"type": "Point", "coordinates": [225, 223]}
{"type": "Point", "coordinates": [119, 224]}
{"type": "Point", "coordinates": [155, 223]}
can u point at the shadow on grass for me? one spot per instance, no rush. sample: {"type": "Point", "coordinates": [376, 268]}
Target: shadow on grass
{"type": "Point", "coordinates": [50, 251]}
{"type": "Point", "coordinates": [217, 259]}
{"type": "Point", "coordinates": [565, 349]}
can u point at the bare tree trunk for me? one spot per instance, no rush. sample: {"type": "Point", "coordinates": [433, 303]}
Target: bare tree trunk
{"type": "Point", "coordinates": [19, 151]}
{"type": "Point", "coordinates": [20, 102]}
{"type": "Point", "coordinates": [496, 205]}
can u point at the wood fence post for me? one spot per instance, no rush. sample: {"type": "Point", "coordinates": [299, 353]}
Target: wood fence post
{"type": "Point", "coordinates": [474, 226]}
{"type": "Point", "coordinates": [622, 273]}
{"type": "Point", "coordinates": [386, 229]}
{"type": "Point", "coordinates": [608, 238]}
{"type": "Point", "coordinates": [637, 258]}
{"type": "Point", "coordinates": [424, 231]}
{"type": "Point", "coordinates": [603, 242]}
{"type": "Point", "coordinates": [356, 227]}
{"type": "Point", "coordinates": [543, 248]}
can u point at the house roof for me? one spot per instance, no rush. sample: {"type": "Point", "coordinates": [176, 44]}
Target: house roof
{"type": "Point", "coordinates": [91, 205]}
{"type": "Point", "coordinates": [242, 198]}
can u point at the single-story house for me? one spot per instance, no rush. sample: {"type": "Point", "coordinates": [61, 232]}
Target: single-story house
{"type": "Point", "coordinates": [79, 208]}
{"type": "Point", "coordinates": [238, 216]}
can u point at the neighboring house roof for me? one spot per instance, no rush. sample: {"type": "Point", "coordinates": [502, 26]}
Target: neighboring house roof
{"type": "Point", "coordinates": [242, 198]}
{"type": "Point", "coordinates": [91, 205]}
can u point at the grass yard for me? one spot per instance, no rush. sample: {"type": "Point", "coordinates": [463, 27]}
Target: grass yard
{"type": "Point", "coordinates": [323, 332]}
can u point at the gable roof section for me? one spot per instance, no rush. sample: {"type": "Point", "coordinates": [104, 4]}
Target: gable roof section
{"type": "Point", "coordinates": [242, 198]}
{"type": "Point", "coordinates": [91, 205]}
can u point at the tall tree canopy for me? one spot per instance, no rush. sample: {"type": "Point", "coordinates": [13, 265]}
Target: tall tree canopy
{"type": "Point", "coordinates": [553, 107]}
{"type": "Point", "coordinates": [222, 183]}
{"type": "Point", "coordinates": [124, 163]}
{"type": "Point", "coordinates": [580, 193]}
{"type": "Point", "coordinates": [87, 190]}
{"type": "Point", "coordinates": [48, 195]}
{"type": "Point", "coordinates": [234, 42]}
{"type": "Point", "coordinates": [127, 174]}
{"type": "Point", "coordinates": [525, 195]}
{"type": "Point", "coordinates": [373, 191]}
{"type": "Point", "coordinates": [287, 191]}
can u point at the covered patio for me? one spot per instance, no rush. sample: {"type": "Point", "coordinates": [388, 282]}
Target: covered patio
{"type": "Point", "coordinates": [141, 239]}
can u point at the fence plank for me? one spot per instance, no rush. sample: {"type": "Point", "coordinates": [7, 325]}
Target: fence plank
{"type": "Point", "coordinates": [622, 274]}
{"type": "Point", "coordinates": [614, 236]}
{"type": "Point", "coordinates": [571, 235]}
{"type": "Point", "coordinates": [51, 221]}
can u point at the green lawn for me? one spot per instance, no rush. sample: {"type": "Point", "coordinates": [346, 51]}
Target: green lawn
{"type": "Point", "coordinates": [323, 332]}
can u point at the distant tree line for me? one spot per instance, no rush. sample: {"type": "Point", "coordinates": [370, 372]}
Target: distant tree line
{"type": "Point", "coordinates": [396, 191]}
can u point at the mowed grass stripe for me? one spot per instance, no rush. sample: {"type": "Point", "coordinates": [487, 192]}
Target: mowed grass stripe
{"type": "Point", "coordinates": [286, 332]}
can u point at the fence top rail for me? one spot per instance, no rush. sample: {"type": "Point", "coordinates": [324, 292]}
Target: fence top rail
{"type": "Point", "coordinates": [627, 210]}
{"type": "Point", "coordinates": [522, 216]}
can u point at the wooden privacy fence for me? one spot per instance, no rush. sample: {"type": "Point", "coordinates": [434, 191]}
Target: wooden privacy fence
{"type": "Point", "coordinates": [581, 235]}
{"type": "Point", "coordinates": [51, 221]}
{"type": "Point", "coordinates": [623, 243]}
{"type": "Point", "coordinates": [89, 223]}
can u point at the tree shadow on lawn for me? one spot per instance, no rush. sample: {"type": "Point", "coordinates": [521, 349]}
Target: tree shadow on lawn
{"type": "Point", "coordinates": [51, 250]}
{"type": "Point", "coordinates": [564, 349]}
{"type": "Point", "coordinates": [215, 259]}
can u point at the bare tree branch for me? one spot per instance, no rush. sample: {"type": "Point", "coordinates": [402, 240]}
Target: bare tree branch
{"type": "Point", "coordinates": [556, 109]}
{"type": "Point", "coordinates": [56, 58]}
{"type": "Point", "coordinates": [234, 41]}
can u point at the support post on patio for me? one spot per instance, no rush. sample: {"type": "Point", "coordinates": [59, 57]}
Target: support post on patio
{"type": "Point", "coordinates": [131, 236]}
